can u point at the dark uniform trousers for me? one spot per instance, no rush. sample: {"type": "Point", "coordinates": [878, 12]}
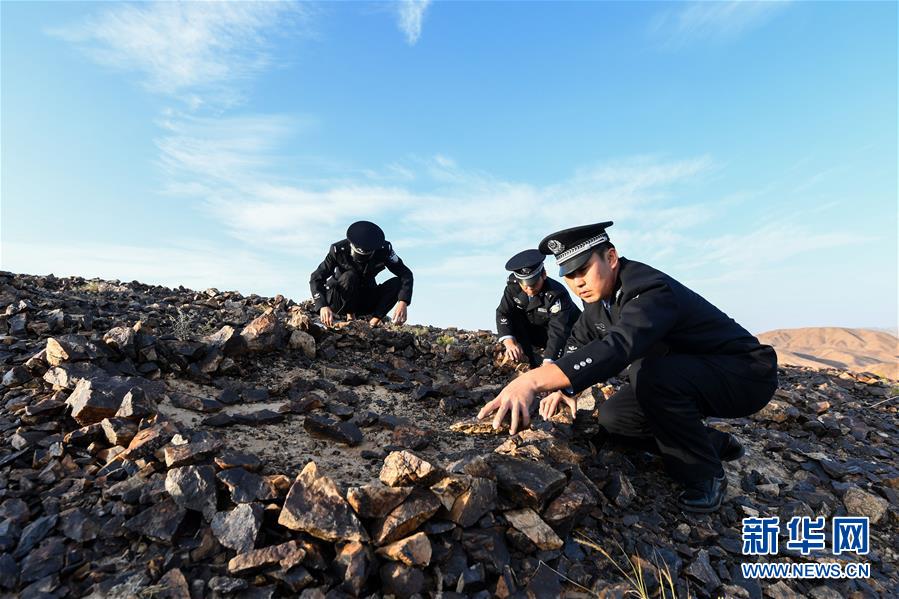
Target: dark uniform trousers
{"type": "Point", "coordinates": [532, 337]}
{"type": "Point", "coordinates": [663, 406]}
{"type": "Point", "coordinates": [347, 295]}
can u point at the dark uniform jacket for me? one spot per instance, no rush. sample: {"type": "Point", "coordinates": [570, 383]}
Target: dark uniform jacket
{"type": "Point", "coordinates": [651, 313]}
{"type": "Point", "coordinates": [551, 309]}
{"type": "Point", "coordinates": [339, 260]}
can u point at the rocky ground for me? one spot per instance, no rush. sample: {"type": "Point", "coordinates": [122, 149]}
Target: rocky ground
{"type": "Point", "coordinates": [170, 443]}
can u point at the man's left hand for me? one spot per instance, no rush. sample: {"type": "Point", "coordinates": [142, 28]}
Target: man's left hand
{"type": "Point", "coordinates": [399, 313]}
{"type": "Point", "coordinates": [550, 403]}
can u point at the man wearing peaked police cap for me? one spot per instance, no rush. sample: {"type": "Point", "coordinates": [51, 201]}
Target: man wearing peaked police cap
{"type": "Point", "coordinates": [685, 360]}
{"type": "Point", "coordinates": [534, 312]}
{"type": "Point", "coordinates": [344, 283]}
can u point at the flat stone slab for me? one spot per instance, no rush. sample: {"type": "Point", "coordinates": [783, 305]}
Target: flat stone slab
{"type": "Point", "coordinates": [527, 483]}
{"type": "Point", "coordinates": [528, 522]}
{"type": "Point", "coordinates": [406, 517]}
{"type": "Point", "coordinates": [314, 505]}
{"type": "Point", "coordinates": [412, 551]}
{"type": "Point", "coordinates": [287, 555]}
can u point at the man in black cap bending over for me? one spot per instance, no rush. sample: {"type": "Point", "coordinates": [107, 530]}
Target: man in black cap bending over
{"type": "Point", "coordinates": [685, 360]}
{"type": "Point", "coordinates": [535, 311]}
{"type": "Point", "coordinates": [344, 283]}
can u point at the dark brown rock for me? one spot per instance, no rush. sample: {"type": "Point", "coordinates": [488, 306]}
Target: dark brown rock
{"type": "Point", "coordinates": [376, 501]}
{"type": "Point", "coordinates": [200, 446]}
{"type": "Point", "coordinates": [574, 502]}
{"type": "Point", "coordinates": [328, 427]}
{"type": "Point", "coordinates": [121, 339]}
{"type": "Point", "coordinates": [246, 487]}
{"type": "Point", "coordinates": [476, 501]}
{"type": "Point", "coordinates": [149, 439]}
{"type": "Point", "coordinates": [118, 431]}
{"type": "Point", "coordinates": [47, 559]}
{"type": "Point", "coordinates": [77, 525]}
{"type": "Point", "coordinates": [136, 405]}
{"type": "Point", "coordinates": [404, 468]}
{"type": "Point", "coordinates": [406, 517]}
{"type": "Point", "coordinates": [92, 402]}
{"type": "Point", "coordinates": [237, 459]}
{"type": "Point", "coordinates": [487, 546]}
{"type": "Point", "coordinates": [193, 487]}
{"type": "Point", "coordinates": [16, 376]}
{"type": "Point", "coordinates": [287, 555]}
{"type": "Point", "coordinates": [34, 533]}
{"type": "Point", "coordinates": [401, 581]}
{"type": "Point", "coordinates": [159, 521]}
{"type": "Point", "coordinates": [237, 529]}
{"type": "Point", "coordinates": [353, 565]}
{"type": "Point", "coordinates": [701, 569]}
{"type": "Point", "coordinates": [315, 506]}
{"type": "Point", "coordinates": [195, 403]}
{"type": "Point", "coordinates": [259, 417]}
{"type": "Point", "coordinates": [226, 584]}
{"type": "Point", "coordinates": [414, 550]}
{"type": "Point", "coordinates": [228, 341]}
{"type": "Point", "coordinates": [45, 409]}
{"type": "Point", "coordinates": [15, 509]}
{"type": "Point", "coordinates": [862, 503]}
{"type": "Point", "coordinates": [265, 333]}
{"type": "Point", "coordinates": [173, 585]}
{"type": "Point", "coordinates": [528, 522]}
{"type": "Point", "coordinates": [69, 348]}
{"type": "Point", "coordinates": [527, 483]}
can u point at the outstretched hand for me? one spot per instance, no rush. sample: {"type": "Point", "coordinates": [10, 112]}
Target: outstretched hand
{"type": "Point", "coordinates": [515, 399]}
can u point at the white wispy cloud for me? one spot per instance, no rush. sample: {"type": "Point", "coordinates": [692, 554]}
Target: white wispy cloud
{"type": "Point", "coordinates": [718, 20]}
{"type": "Point", "coordinates": [193, 50]}
{"type": "Point", "coordinates": [229, 164]}
{"type": "Point", "coordinates": [410, 14]}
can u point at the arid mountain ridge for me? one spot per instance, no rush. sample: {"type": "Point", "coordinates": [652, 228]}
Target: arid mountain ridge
{"type": "Point", "coordinates": [166, 442]}
{"type": "Point", "coordinates": [857, 350]}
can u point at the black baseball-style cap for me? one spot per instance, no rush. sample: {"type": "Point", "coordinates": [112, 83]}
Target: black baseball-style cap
{"type": "Point", "coordinates": [572, 247]}
{"type": "Point", "coordinates": [365, 236]}
{"type": "Point", "coordinates": [526, 266]}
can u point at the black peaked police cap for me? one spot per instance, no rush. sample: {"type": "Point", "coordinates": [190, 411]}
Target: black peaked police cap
{"type": "Point", "coordinates": [526, 265]}
{"type": "Point", "coordinates": [365, 236]}
{"type": "Point", "coordinates": [573, 247]}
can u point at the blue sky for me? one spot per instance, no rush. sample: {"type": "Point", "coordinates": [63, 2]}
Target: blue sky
{"type": "Point", "coordinates": [748, 149]}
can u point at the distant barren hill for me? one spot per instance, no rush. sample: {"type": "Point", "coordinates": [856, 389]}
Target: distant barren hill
{"type": "Point", "coordinates": [859, 350]}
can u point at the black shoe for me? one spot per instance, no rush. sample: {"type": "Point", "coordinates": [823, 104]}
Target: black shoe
{"type": "Point", "coordinates": [704, 496]}
{"type": "Point", "coordinates": [732, 450]}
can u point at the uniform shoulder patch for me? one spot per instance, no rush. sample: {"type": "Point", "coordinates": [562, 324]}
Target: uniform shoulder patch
{"type": "Point", "coordinates": [392, 257]}
{"type": "Point", "coordinates": [556, 307]}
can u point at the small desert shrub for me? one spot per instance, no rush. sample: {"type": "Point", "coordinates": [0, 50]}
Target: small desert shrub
{"type": "Point", "coordinates": [445, 340]}
{"type": "Point", "coordinates": [181, 326]}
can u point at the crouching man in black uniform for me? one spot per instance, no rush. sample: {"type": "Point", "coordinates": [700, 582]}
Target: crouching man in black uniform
{"type": "Point", "coordinates": [686, 360]}
{"type": "Point", "coordinates": [534, 312]}
{"type": "Point", "coordinates": [344, 283]}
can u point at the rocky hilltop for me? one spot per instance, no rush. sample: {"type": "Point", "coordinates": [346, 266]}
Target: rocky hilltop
{"type": "Point", "coordinates": [172, 443]}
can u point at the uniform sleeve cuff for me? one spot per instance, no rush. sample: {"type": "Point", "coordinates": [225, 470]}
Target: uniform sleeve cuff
{"type": "Point", "coordinates": [504, 337]}
{"type": "Point", "coordinates": [577, 367]}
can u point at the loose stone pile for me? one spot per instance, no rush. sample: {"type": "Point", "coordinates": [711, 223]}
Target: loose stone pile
{"type": "Point", "coordinates": [125, 408]}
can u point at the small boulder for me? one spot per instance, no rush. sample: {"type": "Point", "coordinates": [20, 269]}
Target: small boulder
{"type": "Point", "coordinates": [314, 505]}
